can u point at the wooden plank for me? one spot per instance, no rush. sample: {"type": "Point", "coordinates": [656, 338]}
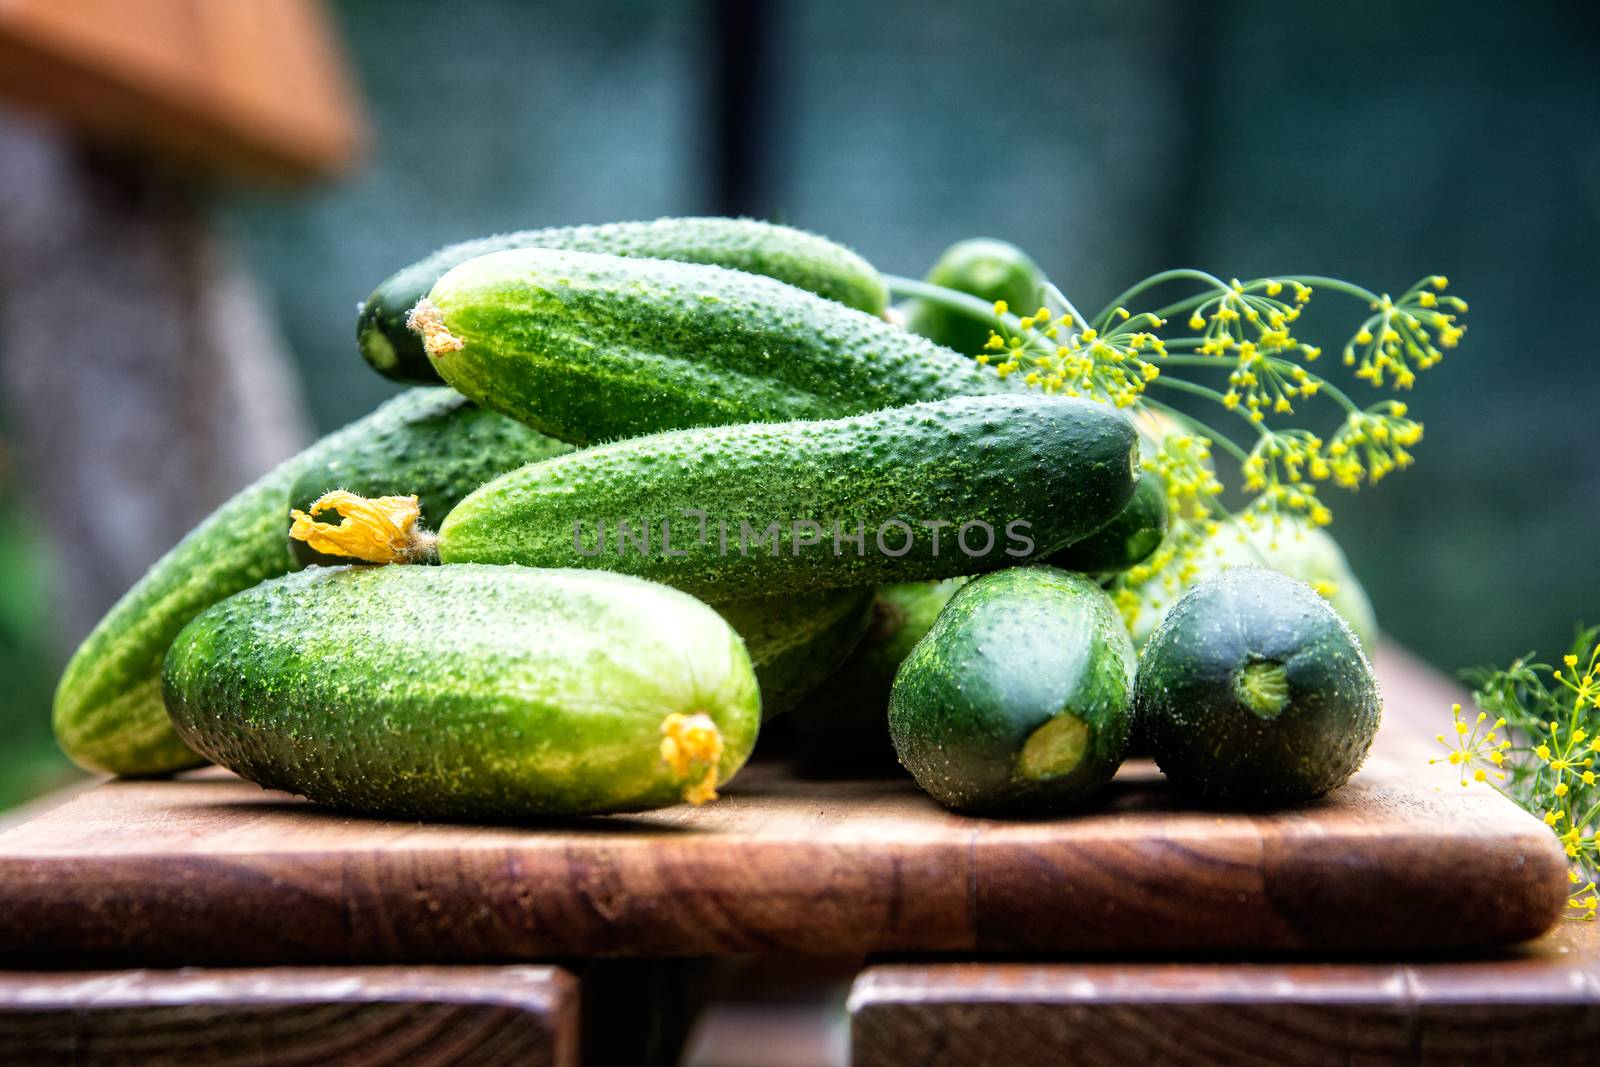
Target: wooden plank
{"type": "Point", "coordinates": [1535, 1007]}
{"type": "Point", "coordinates": [212, 869]}
{"type": "Point", "coordinates": [338, 1017]}
{"type": "Point", "coordinates": [252, 89]}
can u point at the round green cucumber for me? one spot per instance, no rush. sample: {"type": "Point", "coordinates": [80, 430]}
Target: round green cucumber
{"type": "Point", "coordinates": [448, 450]}
{"type": "Point", "coordinates": [801, 259]}
{"type": "Point", "coordinates": [1019, 699]}
{"type": "Point", "coordinates": [797, 641]}
{"type": "Point", "coordinates": [466, 692]}
{"type": "Point", "coordinates": [1129, 538]}
{"type": "Point", "coordinates": [730, 512]}
{"type": "Point", "coordinates": [982, 267]}
{"type": "Point", "coordinates": [588, 347]}
{"type": "Point", "coordinates": [841, 727]}
{"type": "Point", "coordinates": [1254, 689]}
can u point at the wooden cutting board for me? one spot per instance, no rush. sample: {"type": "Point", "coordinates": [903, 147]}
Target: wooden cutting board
{"type": "Point", "coordinates": [209, 868]}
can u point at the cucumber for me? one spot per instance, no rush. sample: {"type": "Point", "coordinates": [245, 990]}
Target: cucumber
{"type": "Point", "coordinates": [1129, 538]}
{"type": "Point", "coordinates": [841, 726]}
{"type": "Point", "coordinates": [730, 512]}
{"type": "Point", "coordinates": [982, 267]}
{"type": "Point", "coordinates": [1253, 688]}
{"type": "Point", "coordinates": [802, 259]}
{"type": "Point", "coordinates": [795, 642]}
{"type": "Point", "coordinates": [446, 450]}
{"type": "Point", "coordinates": [1020, 698]}
{"type": "Point", "coordinates": [467, 692]}
{"type": "Point", "coordinates": [589, 348]}
{"type": "Point", "coordinates": [108, 714]}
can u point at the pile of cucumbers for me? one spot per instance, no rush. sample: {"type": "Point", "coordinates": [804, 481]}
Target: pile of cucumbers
{"type": "Point", "coordinates": [678, 477]}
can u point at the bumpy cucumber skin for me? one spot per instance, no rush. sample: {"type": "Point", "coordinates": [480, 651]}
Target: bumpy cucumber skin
{"type": "Point", "coordinates": [108, 714]}
{"type": "Point", "coordinates": [1064, 466]}
{"type": "Point", "coordinates": [445, 452]}
{"type": "Point", "coordinates": [1010, 652]}
{"type": "Point", "coordinates": [795, 642]}
{"type": "Point", "coordinates": [842, 725]}
{"type": "Point", "coordinates": [459, 692]}
{"type": "Point", "coordinates": [1128, 539]}
{"type": "Point", "coordinates": [801, 259]}
{"type": "Point", "coordinates": [982, 267]}
{"type": "Point", "coordinates": [1206, 740]}
{"type": "Point", "coordinates": [592, 348]}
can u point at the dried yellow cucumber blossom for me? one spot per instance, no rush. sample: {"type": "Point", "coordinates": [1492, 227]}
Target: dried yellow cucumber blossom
{"type": "Point", "coordinates": [428, 321]}
{"type": "Point", "coordinates": [688, 743]}
{"type": "Point", "coordinates": [372, 529]}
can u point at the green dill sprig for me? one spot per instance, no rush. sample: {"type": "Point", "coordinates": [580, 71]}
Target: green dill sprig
{"type": "Point", "coordinates": [1237, 350]}
{"type": "Point", "coordinates": [1540, 749]}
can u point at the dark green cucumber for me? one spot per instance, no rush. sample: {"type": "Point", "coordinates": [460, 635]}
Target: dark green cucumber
{"type": "Point", "coordinates": [795, 642]}
{"type": "Point", "coordinates": [1020, 698]}
{"type": "Point", "coordinates": [1129, 538]}
{"type": "Point", "coordinates": [982, 267]}
{"type": "Point", "coordinates": [463, 692]}
{"type": "Point", "coordinates": [591, 348]}
{"type": "Point", "coordinates": [802, 259]}
{"type": "Point", "coordinates": [841, 726]}
{"type": "Point", "coordinates": [1253, 688]}
{"type": "Point", "coordinates": [108, 713]}
{"type": "Point", "coordinates": [800, 506]}
{"type": "Point", "coordinates": [439, 456]}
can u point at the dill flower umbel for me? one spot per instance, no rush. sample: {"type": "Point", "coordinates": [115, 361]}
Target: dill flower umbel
{"type": "Point", "coordinates": [1230, 343]}
{"type": "Point", "coordinates": [1545, 759]}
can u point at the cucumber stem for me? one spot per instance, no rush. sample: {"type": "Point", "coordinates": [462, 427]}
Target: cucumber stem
{"type": "Point", "coordinates": [1263, 687]}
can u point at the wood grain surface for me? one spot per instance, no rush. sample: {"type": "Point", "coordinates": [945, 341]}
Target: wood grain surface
{"type": "Point", "coordinates": [209, 868]}
{"type": "Point", "coordinates": [291, 1017]}
{"type": "Point", "coordinates": [1539, 1007]}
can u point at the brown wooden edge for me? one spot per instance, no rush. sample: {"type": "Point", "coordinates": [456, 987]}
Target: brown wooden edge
{"type": "Point", "coordinates": [1537, 1009]}
{"type": "Point", "coordinates": [417, 1016]}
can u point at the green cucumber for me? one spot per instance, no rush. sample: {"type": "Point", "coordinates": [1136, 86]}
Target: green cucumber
{"type": "Point", "coordinates": [841, 726]}
{"type": "Point", "coordinates": [108, 714]}
{"type": "Point", "coordinates": [988, 269]}
{"type": "Point", "coordinates": [795, 642]}
{"type": "Point", "coordinates": [1129, 538]}
{"type": "Point", "coordinates": [924, 491]}
{"type": "Point", "coordinates": [1020, 698]}
{"type": "Point", "coordinates": [1253, 688]}
{"type": "Point", "coordinates": [589, 348]}
{"type": "Point", "coordinates": [465, 692]}
{"type": "Point", "coordinates": [802, 259]}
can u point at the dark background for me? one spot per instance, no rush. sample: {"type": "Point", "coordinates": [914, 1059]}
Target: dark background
{"type": "Point", "coordinates": [1373, 141]}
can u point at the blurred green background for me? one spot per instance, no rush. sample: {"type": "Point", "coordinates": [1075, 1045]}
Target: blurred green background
{"type": "Point", "coordinates": [1368, 140]}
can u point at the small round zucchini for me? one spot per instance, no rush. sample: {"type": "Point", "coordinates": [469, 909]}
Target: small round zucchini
{"type": "Point", "coordinates": [468, 691]}
{"type": "Point", "coordinates": [1253, 688]}
{"type": "Point", "coordinates": [1019, 699]}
